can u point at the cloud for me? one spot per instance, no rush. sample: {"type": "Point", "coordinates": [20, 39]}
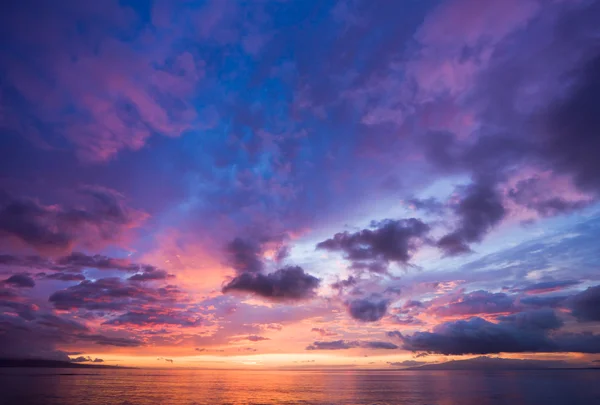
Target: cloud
{"type": "Point", "coordinates": [80, 359]}
{"type": "Point", "coordinates": [345, 344]}
{"type": "Point", "coordinates": [429, 206]}
{"type": "Point", "coordinates": [387, 241]}
{"type": "Point", "coordinates": [63, 276]}
{"type": "Point", "coordinates": [83, 359]}
{"type": "Point", "coordinates": [407, 363]}
{"type": "Point", "coordinates": [245, 256]}
{"type": "Point", "coordinates": [71, 265]}
{"type": "Point", "coordinates": [255, 338]}
{"type": "Point", "coordinates": [157, 316]}
{"type": "Point", "coordinates": [533, 194]}
{"type": "Point", "coordinates": [198, 349]}
{"type": "Point", "coordinates": [476, 302]}
{"type": "Point", "coordinates": [112, 107]}
{"type": "Point", "coordinates": [39, 336]}
{"type": "Point", "coordinates": [524, 332]}
{"type": "Point", "coordinates": [478, 211]}
{"type": "Point", "coordinates": [542, 319]}
{"type": "Point", "coordinates": [541, 302]}
{"type": "Point", "coordinates": [111, 341]}
{"type": "Point", "coordinates": [369, 309]}
{"type": "Point", "coordinates": [151, 274]}
{"type": "Point", "coordinates": [585, 306]}
{"type": "Point", "coordinates": [572, 122]}
{"type": "Point", "coordinates": [286, 284]}
{"type": "Point", "coordinates": [341, 284]}
{"type": "Point", "coordinates": [323, 332]}
{"type": "Point", "coordinates": [20, 280]}
{"type": "Point", "coordinates": [55, 229]}
{"type": "Point", "coordinates": [111, 294]}
{"type": "Point", "coordinates": [77, 261]}
{"type": "Point", "coordinates": [62, 324]}
{"type": "Point", "coordinates": [548, 286]}
{"type": "Point", "coordinates": [375, 344]}
{"type": "Point", "coordinates": [333, 345]}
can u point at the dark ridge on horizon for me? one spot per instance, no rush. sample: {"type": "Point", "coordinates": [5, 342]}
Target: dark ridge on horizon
{"type": "Point", "coordinates": [496, 363]}
{"type": "Point", "coordinates": [41, 363]}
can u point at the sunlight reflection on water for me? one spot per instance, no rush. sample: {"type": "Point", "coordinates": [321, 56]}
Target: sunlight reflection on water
{"type": "Point", "coordinates": [200, 387]}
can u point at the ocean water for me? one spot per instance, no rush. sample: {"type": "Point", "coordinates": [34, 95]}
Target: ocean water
{"type": "Point", "coordinates": [187, 387]}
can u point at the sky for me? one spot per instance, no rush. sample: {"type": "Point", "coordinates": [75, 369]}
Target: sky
{"type": "Point", "coordinates": [297, 183]}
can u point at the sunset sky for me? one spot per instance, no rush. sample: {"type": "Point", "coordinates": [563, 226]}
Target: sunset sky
{"type": "Point", "coordinates": [360, 183]}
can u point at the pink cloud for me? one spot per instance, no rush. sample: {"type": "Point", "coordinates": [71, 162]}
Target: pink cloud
{"type": "Point", "coordinates": [100, 92]}
{"type": "Point", "coordinates": [457, 41]}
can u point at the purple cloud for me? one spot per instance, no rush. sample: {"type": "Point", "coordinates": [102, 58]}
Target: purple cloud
{"type": "Point", "coordinates": [479, 210]}
{"type": "Point", "coordinates": [585, 306]}
{"type": "Point", "coordinates": [20, 280]}
{"type": "Point", "coordinates": [369, 309]}
{"type": "Point", "coordinates": [525, 332]}
{"type": "Point", "coordinates": [286, 284]}
{"type": "Point", "coordinates": [388, 241]}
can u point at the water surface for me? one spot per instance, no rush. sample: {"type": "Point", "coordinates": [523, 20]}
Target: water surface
{"type": "Point", "coordinates": [195, 387]}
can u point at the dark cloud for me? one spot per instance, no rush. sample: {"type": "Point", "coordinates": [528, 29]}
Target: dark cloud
{"type": "Point", "coordinates": [256, 338]}
{"type": "Point", "coordinates": [376, 344]}
{"type": "Point", "coordinates": [286, 284]}
{"type": "Point", "coordinates": [585, 306]}
{"type": "Point", "coordinates": [573, 126]}
{"type": "Point", "coordinates": [430, 206]}
{"type": "Point", "coordinates": [38, 336]}
{"type": "Point", "coordinates": [373, 267]}
{"type": "Point", "coordinates": [63, 324]}
{"type": "Point", "coordinates": [323, 332]}
{"type": "Point", "coordinates": [346, 344]}
{"type": "Point", "coordinates": [478, 211]}
{"type": "Point", "coordinates": [386, 241]}
{"type": "Point", "coordinates": [57, 229]}
{"type": "Point", "coordinates": [151, 274]}
{"type": "Point", "coordinates": [161, 316]}
{"type": "Point", "coordinates": [111, 294]}
{"type": "Point", "coordinates": [20, 338]}
{"type": "Point", "coordinates": [84, 359]}
{"type": "Point", "coordinates": [542, 319]}
{"type": "Point", "coordinates": [24, 310]}
{"type": "Point", "coordinates": [20, 280]}
{"type": "Point", "coordinates": [541, 302]}
{"type": "Point", "coordinates": [245, 256]}
{"type": "Point", "coordinates": [341, 284]}
{"type": "Point", "coordinates": [547, 286]}
{"type": "Point", "coordinates": [80, 359]}
{"type": "Point", "coordinates": [333, 345]}
{"type": "Point", "coordinates": [406, 363]}
{"type": "Point", "coordinates": [77, 261]}
{"type": "Point", "coordinates": [111, 341]}
{"type": "Point", "coordinates": [202, 349]}
{"type": "Point", "coordinates": [526, 332]}
{"type": "Point", "coordinates": [63, 276]}
{"type": "Point", "coordinates": [369, 309]}
{"type": "Point", "coordinates": [410, 304]}
{"type": "Point", "coordinates": [24, 261]}
{"type": "Point", "coordinates": [477, 302]}
{"type": "Point", "coordinates": [533, 194]}
{"type": "Point", "coordinates": [69, 267]}
{"type": "Point", "coordinates": [406, 320]}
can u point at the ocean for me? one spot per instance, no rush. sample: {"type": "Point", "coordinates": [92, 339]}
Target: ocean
{"type": "Point", "coordinates": [28, 386]}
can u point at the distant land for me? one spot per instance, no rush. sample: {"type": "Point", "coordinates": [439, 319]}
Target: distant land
{"type": "Point", "coordinates": [39, 363]}
{"type": "Point", "coordinates": [495, 363]}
